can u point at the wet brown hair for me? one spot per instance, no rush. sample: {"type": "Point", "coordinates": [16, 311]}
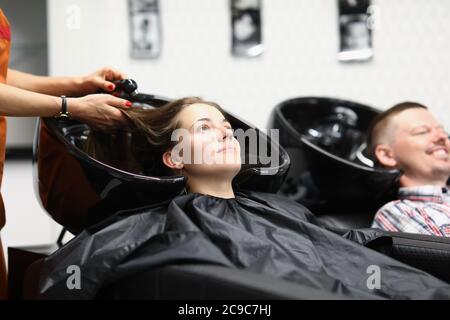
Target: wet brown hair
{"type": "Point", "coordinates": [140, 146]}
{"type": "Point", "coordinates": [380, 123]}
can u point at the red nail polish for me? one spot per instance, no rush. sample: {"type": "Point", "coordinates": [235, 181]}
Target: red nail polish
{"type": "Point", "coordinates": [110, 87]}
{"type": "Point", "coordinates": [128, 104]}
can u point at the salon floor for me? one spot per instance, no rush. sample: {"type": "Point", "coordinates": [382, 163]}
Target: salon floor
{"type": "Point", "coordinates": [27, 223]}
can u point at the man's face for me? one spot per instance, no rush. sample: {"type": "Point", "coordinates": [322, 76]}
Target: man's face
{"type": "Point", "coordinates": [420, 145]}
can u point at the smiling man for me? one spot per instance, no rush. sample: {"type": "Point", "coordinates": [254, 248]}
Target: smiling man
{"type": "Point", "coordinates": [408, 137]}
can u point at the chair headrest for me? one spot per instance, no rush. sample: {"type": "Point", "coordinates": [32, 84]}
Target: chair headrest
{"type": "Point", "coordinates": [325, 138]}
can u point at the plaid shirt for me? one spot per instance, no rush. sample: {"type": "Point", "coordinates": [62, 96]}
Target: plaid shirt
{"type": "Point", "coordinates": [424, 210]}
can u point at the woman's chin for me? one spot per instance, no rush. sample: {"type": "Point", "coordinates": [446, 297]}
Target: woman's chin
{"type": "Point", "coordinates": [215, 169]}
{"type": "Point", "coordinates": [227, 166]}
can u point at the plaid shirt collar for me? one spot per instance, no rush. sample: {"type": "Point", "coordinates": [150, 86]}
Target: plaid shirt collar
{"type": "Point", "coordinates": [427, 193]}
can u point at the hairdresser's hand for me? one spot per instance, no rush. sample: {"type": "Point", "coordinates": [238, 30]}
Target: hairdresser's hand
{"type": "Point", "coordinates": [100, 111]}
{"type": "Point", "coordinates": [99, 80]}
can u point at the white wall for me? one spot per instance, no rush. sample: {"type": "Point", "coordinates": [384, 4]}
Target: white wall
{"type": "Point", "coordinates": [411, 61]}
{"type": "Point", "coordinates": [26, 221]}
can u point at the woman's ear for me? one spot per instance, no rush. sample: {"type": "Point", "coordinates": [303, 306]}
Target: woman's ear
{"type": "Point", "coordinates": [170, 162]}
{"type": "Point", "coordinates": [385, 156]}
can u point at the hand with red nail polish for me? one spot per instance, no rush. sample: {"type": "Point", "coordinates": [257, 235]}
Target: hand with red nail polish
{"type": "Point", "coordinates": [102, 79]}
{"type": "Point", "coordinates": [101, 111]}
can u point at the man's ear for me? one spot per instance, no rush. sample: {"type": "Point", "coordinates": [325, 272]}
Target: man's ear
{"type": "Point", "coordinates": [385, 156]}
{"type": "Point", "coordinates": [170, 162]}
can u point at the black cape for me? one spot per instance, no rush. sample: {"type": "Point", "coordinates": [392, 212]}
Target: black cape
{"type": "Point", "coordinates": [261, 232]}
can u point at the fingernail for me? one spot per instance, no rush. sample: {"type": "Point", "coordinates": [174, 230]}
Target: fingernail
{"type": "Point", "coordinates": [128, 104]}
{"type": "Point", "coordinates": [110, 87]}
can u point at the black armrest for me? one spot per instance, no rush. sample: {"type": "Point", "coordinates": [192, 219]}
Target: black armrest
{"type": "Point", "coordinates": [428, 253]}
{"type": "Point", "coordinates": [207, 282]}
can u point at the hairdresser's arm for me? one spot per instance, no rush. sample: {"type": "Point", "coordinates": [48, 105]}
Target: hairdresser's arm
{"type": "Point", "coordinates": [68, 86]}
{"type": "Point", "coordinates": [98, 110]}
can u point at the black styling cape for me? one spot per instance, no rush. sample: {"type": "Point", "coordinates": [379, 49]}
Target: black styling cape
{"type": "Point", "coordinates": [260, 232]}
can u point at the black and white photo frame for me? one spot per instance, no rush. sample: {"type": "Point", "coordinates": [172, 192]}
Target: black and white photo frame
{"type": "Point", "coordinates": [355, 30]}
{"type": "Point", "coordinates": [246, 28]}
{"type": "Point", "coordinates": [145, 29]}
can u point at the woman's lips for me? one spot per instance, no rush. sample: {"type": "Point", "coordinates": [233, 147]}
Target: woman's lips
{"type": "Point", "coordinates": [226, 148]}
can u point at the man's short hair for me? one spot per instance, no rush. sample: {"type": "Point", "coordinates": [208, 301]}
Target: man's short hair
{"type": "Point", "coordinates": [380, 123]}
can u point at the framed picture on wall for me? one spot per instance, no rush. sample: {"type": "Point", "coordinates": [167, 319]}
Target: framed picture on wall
{"type": "Point", "coordinates": [355, 33]}
{"type": "Point", "coordinates": [145, 29]}
{"type": "Point", "coordinates": [246, 28]}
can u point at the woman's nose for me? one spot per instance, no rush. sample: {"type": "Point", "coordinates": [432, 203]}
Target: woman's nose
{"type": "Point", "coordinates": [223, 134]}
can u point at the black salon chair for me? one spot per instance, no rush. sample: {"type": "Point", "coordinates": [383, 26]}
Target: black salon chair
{"type": "Point", "coordinates": [208, 282]}
{"type": "Point", "coordinates": [78, 191]}
{"type": "Point", "coordinates": [333, 176]}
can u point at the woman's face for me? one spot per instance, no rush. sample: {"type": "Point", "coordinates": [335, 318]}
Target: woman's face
{"type": "Point", "coordinates": [209, 146]}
